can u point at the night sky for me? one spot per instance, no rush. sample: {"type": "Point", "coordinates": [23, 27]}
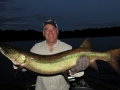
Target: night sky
{"type": "Point", "coordinates": [69, 14]}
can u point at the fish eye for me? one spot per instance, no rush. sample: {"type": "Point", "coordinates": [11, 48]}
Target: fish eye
{"type": "Point", "coordinates": [10, 48]}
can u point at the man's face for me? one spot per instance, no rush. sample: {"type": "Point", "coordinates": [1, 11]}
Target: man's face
{"type": "Point", "coordinates": [50, 33]}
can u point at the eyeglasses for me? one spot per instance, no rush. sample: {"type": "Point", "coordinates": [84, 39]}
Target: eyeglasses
{"type": "Point", "coordinates": [47, 29]}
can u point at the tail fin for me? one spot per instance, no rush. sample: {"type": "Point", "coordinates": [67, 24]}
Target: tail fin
{"type": "Point", "coordinates": [115, 56]}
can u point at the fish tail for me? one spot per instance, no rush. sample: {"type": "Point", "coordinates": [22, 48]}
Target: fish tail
{"type": "Point", "coordinates": [115, 56]}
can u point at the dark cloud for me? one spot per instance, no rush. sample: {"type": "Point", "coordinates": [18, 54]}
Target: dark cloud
{"type": "Point", "coordinates": [11, 1]}
{"type": "Point", "coordinates": [3, 0]}
{"type": "Point", "coordinates": [16, 8]}
{"type": "Point", "coordinates": [99, 24]}
{"type": "Point", "coordinates": [14, 18]}
{"type": "Point", "coordinates": [5, 7]}
{"type": "Point", "coordinates": [18, 26]}
{"type": "Point", "coordinates": [14, 22]}
{"type": "Point", "coordinates": [40, 17]}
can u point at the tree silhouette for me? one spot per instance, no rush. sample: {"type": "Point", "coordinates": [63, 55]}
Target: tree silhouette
{"type": "Point", "coordinates": [14, 35]}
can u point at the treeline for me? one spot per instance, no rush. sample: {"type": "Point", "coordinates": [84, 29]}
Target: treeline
{"type": "Point", "coordinates": [10, 35]}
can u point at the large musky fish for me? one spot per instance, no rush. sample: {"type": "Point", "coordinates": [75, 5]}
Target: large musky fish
{"type": "Point", "coordinates": [60, 62]}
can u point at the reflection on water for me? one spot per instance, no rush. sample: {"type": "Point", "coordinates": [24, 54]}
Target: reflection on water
{"type": "Point", "coordinates": [106, 73]}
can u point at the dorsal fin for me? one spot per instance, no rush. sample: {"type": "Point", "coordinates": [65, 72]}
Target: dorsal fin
{"type": "Point", "coordinates": [86, 44]}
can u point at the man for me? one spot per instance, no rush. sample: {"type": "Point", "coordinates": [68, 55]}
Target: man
{"type": "Point", "coordinates": [52, 45]}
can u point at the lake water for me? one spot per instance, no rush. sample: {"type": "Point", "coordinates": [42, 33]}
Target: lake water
{"type": "Point", "coordinates": [106, 73]}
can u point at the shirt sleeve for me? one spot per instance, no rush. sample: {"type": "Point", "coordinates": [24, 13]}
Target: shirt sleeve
{"type": "Point", "coordinates": [79, 74]}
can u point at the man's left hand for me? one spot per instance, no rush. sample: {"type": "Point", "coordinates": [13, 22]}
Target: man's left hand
{"type": "Point", "coordinates": [82, 63]}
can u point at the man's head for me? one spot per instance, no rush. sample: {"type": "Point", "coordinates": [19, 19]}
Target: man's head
{"type": "Point", "coordinates": [50, 31]}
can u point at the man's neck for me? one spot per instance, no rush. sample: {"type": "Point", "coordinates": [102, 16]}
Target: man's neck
{"type": "Point", "coordinates": [51, 44]}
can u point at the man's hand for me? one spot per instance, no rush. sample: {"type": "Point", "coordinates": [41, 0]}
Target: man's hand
{"type": "Point", "coordinates": [81, 64]}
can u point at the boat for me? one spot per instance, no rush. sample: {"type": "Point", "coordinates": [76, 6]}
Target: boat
{"type": "Point", "coordinates": [88, 83]}
{"type": "Point", "coordinates": [78, 84]}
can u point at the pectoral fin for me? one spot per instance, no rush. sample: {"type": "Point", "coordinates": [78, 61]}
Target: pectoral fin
{"type": "Point", "coordinates": [93, 64]}
{"type": "Point", "coordinates": [18, 69]}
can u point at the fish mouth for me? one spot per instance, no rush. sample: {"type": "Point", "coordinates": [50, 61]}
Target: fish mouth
{"type": "Point", "coordinates": [4, 51]}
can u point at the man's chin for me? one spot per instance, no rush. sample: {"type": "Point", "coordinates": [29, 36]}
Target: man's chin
{"type": "Point", "coordinates": [52, 40]}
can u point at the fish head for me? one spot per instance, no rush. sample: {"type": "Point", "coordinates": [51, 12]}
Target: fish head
{"type": "Point", "coordinates": [13, 54]}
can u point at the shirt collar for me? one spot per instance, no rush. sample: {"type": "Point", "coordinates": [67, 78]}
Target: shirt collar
{"type": "Point", "coordinates": [54, 46]}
